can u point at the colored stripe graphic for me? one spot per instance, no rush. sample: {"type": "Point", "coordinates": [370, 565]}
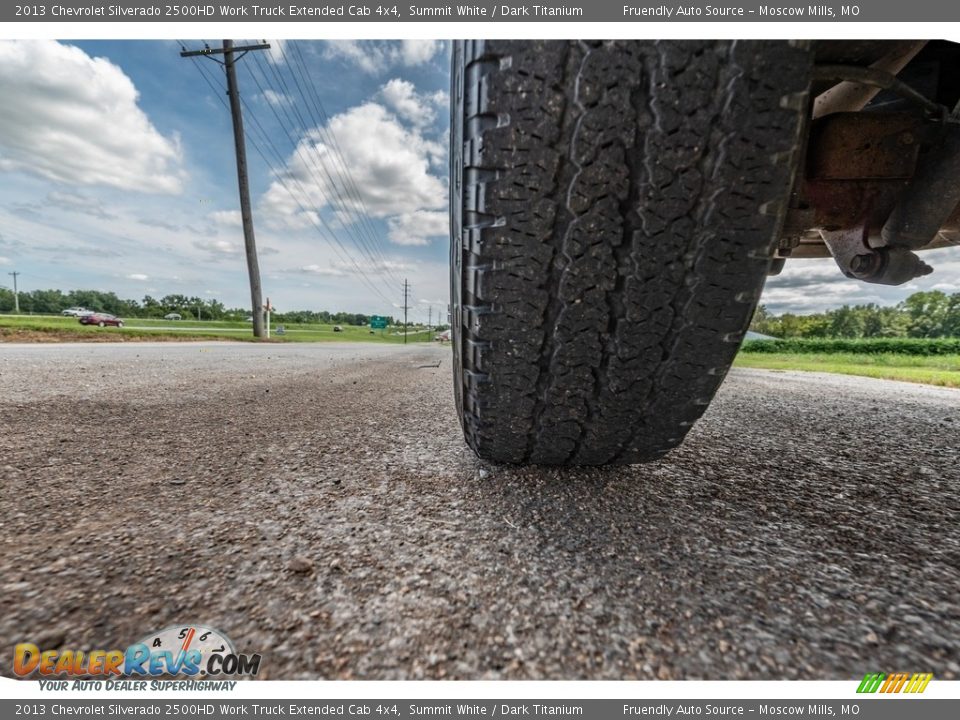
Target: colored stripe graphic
{"type": "Point", "coordinates": [900, 682]}
{"type": "Point", "coordinates": [870, 682]}
{"type": "Point", "coordinates": [895, 683]}
{"type": "Point", "coordinates": [918, 683]}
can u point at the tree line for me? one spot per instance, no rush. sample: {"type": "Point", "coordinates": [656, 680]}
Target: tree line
{"type": "Point", "coordinates": [930, 314]}
{"type": "Point", "coordinates": [53, 302]}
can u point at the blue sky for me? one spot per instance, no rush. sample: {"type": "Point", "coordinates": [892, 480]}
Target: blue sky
{"type": "Point", "coordinates": [117, 173]}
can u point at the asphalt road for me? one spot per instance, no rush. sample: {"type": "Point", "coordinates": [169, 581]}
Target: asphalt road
{"type": "Point", "coordinates": [318, 505]}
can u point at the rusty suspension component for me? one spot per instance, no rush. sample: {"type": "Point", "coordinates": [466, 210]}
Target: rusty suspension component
{"type": "Point", "coordinates": [877, 187]}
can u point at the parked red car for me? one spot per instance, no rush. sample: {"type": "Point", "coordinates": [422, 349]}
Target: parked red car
{"type": "Point", "coordinates": [101, 320]}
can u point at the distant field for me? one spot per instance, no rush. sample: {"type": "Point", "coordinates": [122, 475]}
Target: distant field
{"type": "Point", "coordinates": [941, 370]}
{"type": "Point", "coordinates": [52, 328]}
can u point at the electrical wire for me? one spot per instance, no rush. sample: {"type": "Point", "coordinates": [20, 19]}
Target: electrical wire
{"type": "Point", "coordinates": [279, 176]}
{"type": "Point", "coordinates": [309, 159]}
{"type": "Point", "coordinates": [322, 123]}
{"type": "Point", "coordinates": [367, 242]}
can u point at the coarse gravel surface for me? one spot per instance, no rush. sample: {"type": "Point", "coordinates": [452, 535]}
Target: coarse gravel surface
{"type": "Point", "coordinates": [317, 503]}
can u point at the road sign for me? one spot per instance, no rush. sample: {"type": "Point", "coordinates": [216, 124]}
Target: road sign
{"type": "Point", "coordinates": [378, 322]}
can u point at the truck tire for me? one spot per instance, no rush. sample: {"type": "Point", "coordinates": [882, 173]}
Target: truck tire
{"type": "Point", "coordinates": [614, 207]}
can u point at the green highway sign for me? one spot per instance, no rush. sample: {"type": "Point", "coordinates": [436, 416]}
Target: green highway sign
{"type": "Point", "coordinates": [378, 322]}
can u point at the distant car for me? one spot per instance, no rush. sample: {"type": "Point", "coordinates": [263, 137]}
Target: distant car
{"type": "Point", "coordinates": [337, 328]}
{"type": "Point", "coordinates": [76, 312]}
{"type": "Point", "coordinates": [443, 337]}
{"type": "Point", "coordinates": [101, 320]}
{"type": "Point", "coordinates": [172, 316]}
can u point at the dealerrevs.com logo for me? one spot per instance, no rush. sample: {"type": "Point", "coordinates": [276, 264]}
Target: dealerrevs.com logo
{"type": "Point", "coordinates": [895, 683]}
{"type": "Point", "coordinates": [190, 650]}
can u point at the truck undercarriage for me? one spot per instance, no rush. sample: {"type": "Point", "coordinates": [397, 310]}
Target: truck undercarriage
{"type": "Point", "coordinates": [879, 176]}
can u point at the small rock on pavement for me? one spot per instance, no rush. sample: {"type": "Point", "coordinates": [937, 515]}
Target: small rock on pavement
{"type": "Point", "coordinates": [300, 564]}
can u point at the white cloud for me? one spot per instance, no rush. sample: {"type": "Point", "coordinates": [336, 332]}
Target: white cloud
{"type": "Point", "coordinates": [219, 249]}
{"type": "Point", "coordinates": [339, 268]}
{"type": "Point", "coordinates": [419, 52]}
{"type": "Point", "coordinates": [138, 276]}
{"type": "Point", "coordinates": [277, 99]}
{"type": "Point", "coordinates": [391, 265]}
{"type": "Point", "coordinates": [420, 109]}
{"type": "Point", "coordinates": [322, 270]}
{"type": "Point", "coordinates": [5, 260]}
{"type": "Point", "coordinates": [77, 202]}
{"type": "Point", "coordinates": [228, 218]}
{"type": "Point", "coordinates": [368, 56]}
{"type": "Point", "coordinates": [392, 175]}
{"type": "Point", "coordinates": [374, 57]}
{"type": "Point", "coordinates": [277, 51]}
{"type": "Point", "coordinates": [74, 119]}
{"type": "Point", "coordinates": [416, 228]}
{"type": "Point", "coordinates": [808, 286]}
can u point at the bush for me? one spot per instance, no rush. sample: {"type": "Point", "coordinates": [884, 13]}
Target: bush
{"type": "Point", "coordinates": [871, 346]}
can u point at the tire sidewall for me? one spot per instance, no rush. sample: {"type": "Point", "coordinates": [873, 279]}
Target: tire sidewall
{"type": "Point", "coordinates": [456, 219]}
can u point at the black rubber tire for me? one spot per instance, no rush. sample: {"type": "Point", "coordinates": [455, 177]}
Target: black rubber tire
{"type": "Point", "coordinates": [614, 206]}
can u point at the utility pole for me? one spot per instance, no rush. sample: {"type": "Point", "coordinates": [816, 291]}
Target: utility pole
{"type": "Point", "coordinates": [16, 294]}
{"type": "Point", "coordinates": [406, 306]}
{"type": "Point", "coordinates": [253, 265]}
{"type": "Point", "coordinates": [430, 319]}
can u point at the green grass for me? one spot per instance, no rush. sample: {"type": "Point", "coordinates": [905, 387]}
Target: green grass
{"type": "Point", "coordinates": [39, 328]}
{"type": "Point", "coordinates": [857, 346]}
{"type": "Point", "coordinates": [941, 370]}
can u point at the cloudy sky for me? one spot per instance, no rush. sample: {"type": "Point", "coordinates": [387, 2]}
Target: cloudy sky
{"type": "Point", "coordinates": [117, 173]}
{"type": "Point", "coordinates": [807, 286]}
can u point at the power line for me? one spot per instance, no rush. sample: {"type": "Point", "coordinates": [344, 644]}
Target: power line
{"type": "Point", "coordinates": [331, 234]}
{"type": "Point", "coordinates": [280, 178]}
{"type": "Point", "coordinates": [309, 158]}
{"type": "Point", "coordinates": [406, 306]}
{"type": "Point", "coordinates": [243, 183]}
{"type": "Point", "coordinates": [16, 293]}
{"type": "Point", "coordinates": [372, 249]}
{"type": "Point", "coordinates": [322, 122]}
{"type": "Point", "coordinates": [366, 241]}
{"type": "Point", "coordinates": [323, 125]}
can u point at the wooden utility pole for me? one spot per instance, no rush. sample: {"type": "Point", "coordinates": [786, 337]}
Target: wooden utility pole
{"type": "Point", "coordinates": [16, 293]}
{"type": "Point", "coordinates": [406, 306]}
{"type": "Point", "coordinates": [253, 265]}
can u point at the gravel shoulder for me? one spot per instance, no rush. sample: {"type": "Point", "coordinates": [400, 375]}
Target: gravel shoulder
{"type": "Point", "coordinates": [317, 503]}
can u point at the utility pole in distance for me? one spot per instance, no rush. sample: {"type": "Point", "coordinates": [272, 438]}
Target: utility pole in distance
{"type": "Point", "coordinates": [253, 265]}
{"type": "Point", "coordinates": [16, 293]}
{"type": "Point", "coordinates": [430, 319]}
{"type": "Point", "coordinates": [406, 306]}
